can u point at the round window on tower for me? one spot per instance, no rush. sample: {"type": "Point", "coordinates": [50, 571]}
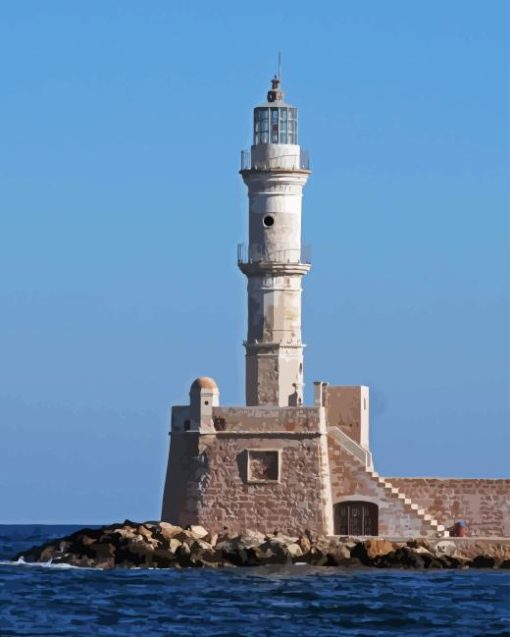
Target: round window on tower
{"type": "Point", "coordinates": [268, 221]}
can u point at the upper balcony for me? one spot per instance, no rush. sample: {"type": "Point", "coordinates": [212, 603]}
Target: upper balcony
{"type": "Point", "coordinates": [255, 253]}
{"type": "Point", "coordinates": [254, 259]}
{"type": "Point", "coordinates": [286, 161]}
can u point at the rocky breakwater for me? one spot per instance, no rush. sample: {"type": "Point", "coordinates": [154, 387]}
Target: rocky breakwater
{"type": "Point", "coordinates": [163, 545]}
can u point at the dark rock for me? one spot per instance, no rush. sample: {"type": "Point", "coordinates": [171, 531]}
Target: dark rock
{"type": "Point", "coordinates": [236, 553]}
{"type": "Point", "coordinates": [274, 551]}
{"type": "Point", "coordinates": [483, 561]}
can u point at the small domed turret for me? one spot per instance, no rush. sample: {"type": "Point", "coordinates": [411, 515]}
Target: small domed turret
{"type": "Point", "coordinates": [203, 396]}
{"type": "Point", "coordinates": [203, 382]}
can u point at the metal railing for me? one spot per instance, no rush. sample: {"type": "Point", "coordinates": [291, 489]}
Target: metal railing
{"type": "Point", "coordinates": [302, 164]}
{"type": "Point", "coordinates": [245, 159]}
{"type": "Point", "coordinates": [255, 253]}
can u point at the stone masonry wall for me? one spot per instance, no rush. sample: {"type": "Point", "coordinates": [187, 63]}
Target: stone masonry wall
{"type": "Point", "coordinates": [184, 473]}
{"type": "Point", "coordinates": [351, 481]}
{"type": "Point", "coordinates": [483, 504]}
{"type": "Point", "coordinates": [295, 502]}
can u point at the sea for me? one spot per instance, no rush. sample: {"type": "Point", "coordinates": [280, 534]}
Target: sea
{"type": "Point", "coordinates": [289, 601]}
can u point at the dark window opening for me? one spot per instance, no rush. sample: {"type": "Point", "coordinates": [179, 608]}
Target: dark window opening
{"type": "Point", "coordinates": [219, 424]}
{"type": "Point", "coordinates": [268, 221]}
{"type": "Point", "coordinates": [263, 466]}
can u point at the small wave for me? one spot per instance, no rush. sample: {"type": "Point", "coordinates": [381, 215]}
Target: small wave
{"type": "Point", "coordinates": [62, 566]}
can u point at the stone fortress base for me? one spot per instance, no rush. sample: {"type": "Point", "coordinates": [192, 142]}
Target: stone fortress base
{"type": "Point", "coordinates": [293, 468]}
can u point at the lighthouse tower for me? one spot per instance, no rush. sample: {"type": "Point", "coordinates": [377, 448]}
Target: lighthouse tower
{"type": "Point", "coordinates": [275, 171]}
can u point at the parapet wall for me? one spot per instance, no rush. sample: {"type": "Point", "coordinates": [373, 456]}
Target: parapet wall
{"type": "Point", "coordinates": [267, 419]}
{"type": "Point", "coordinates": [483, 504]}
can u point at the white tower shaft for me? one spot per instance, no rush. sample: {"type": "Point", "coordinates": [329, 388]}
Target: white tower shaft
{"type": "Point", "coordinates": [275, 173]}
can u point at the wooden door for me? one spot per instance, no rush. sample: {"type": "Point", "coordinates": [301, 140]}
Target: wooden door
{"type": "Point", "coordinates": [356, 518]}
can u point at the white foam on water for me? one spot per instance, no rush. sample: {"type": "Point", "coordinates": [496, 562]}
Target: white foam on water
{"type": "Point", "coordinates": [49, 564]}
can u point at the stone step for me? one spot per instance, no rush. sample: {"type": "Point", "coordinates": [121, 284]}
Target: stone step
{"type": "Point", "coordinates": [388, 486]}
{"type": "Point", "coordinates": [412, 506]}
{"type": "Point", "coordinates": [394, 491]}
{"type": "Point", "coordinates": [432, 524]}
{"type": "Point", "coordinates": [415, 508]}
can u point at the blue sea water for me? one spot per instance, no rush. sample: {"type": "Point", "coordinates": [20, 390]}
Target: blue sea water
{"type": "Point", "coordinates": [256, 602]}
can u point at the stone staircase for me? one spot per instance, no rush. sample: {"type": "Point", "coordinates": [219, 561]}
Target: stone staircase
{"type": "Point", "coordinates": [408, 504]}
{"type": "Point", "coordinates": [362, 456]}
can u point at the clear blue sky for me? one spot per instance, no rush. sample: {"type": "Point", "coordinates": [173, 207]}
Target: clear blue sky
{"type": "Point", "coordinates": [121, 125]}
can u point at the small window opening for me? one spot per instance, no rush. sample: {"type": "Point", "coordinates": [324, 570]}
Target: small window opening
{"type": "Point", "coordinates": [220, 424]}
{"type": "Point", "coordinates": [263, 465]}
{"type": "Point", "coordinates": [206, 402]}
{"type": "Point", "coordinates": [268, 221]}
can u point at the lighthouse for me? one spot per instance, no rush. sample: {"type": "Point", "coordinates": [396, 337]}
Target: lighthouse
{"type": "Point", "coordinates": [276, 463]}
{"type": "Point", "coordinates": [275, 171]}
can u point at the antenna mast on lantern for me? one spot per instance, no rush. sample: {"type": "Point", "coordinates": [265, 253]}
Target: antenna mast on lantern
{"type": "Point", "coordinates": [279, 65]}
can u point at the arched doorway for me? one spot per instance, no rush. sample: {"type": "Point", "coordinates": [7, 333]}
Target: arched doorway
{"type": "Point", "coordinates": [356, 517]}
